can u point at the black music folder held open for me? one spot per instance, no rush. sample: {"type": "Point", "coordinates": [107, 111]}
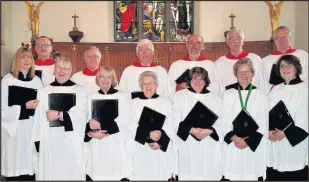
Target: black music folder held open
{"type": "Point", "coordinates": [105, 111]}
{"type": "Point", "coordinates": [244, 124]}
{"type": "Point", "coordinates": [279, 117]}
{"type": "Point", "coordinates": [60, 102]}
{"type": "Point", "coordinates": [274, 78]}
{"type": "Point", "coordinates": [38, 73]}
{"type": "Point", "coordinates": [21, 95]}
{"type": "Point", "coordinates": [183, 77]}
{"type": "Point", "coordinates": [150, 120]}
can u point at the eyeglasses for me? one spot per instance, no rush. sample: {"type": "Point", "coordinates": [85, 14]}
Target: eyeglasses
{"type": "Point", "coordinates": [106, 76]}
{"type": "Point", "coordinates": [93, 57]}
{"type": "Point", "coordinates": [198, 78]}
{"type": "Point", "coordinates": [64, 69]}
{"type": "Point", "coordinates": [281, 38]}
{"type": "Point", "coordinates": [286, 66]}
{"type": "Point", "coordinates": [148, 84]}
{"type": "Point", "coordinates": [192, 43]}
{"type": "Point", "coordinates": [234, 38]}
{"type": "Point", "coordinates": [42, 45]}
{"type": "Point", "coordinates": [147, 50]}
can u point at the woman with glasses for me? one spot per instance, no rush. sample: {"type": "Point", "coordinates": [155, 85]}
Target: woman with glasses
{"type": "Point", "coordinates": [59, 126]}
{"type": "Point", "coordinates": [197, 147]}
{"type": "Point", "coordinates": [288, 146]}
{"type": "Point", "coordinates": [244, 147]}
{"type": "Point", "coordinates": [109, 112]}
{"type": "Point", "coordinates": [18, 101]}
{"type": "Point", "coordinates": [151, 132]}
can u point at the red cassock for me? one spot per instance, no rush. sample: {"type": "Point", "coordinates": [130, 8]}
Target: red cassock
{"type": "Point", "coordinates": [126, 18]}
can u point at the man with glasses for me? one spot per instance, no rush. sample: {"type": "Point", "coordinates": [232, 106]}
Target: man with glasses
{"type": "Point", "coordinates": [129, 77]}
{"type": "Point", "coordinates": [194, 45]}
{"type": "Point", "coordinates": [224, 65]}
{"type": "Point", "coordinates": [86, 77]}
{"type": "Point", "coordinates": [44, 64]}
{"type": "Point", "coordinates": [282, 38]}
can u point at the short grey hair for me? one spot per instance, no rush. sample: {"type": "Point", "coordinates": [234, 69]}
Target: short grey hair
{"type": "Point", "coordinates": [95, 48]}
{"type": "Point", "coordinates": [243, 61]}
{"type": "Point", "coordinates": [282, 28]}
{"type": "Point", "coordinates": [145, 41]}
{"type": "Point", "coordinates": [110, 70]}
{"type": "Point", "coordinates": [196, 35]}
{"type": "Point", "coordinates": [145, 74]}
{"type": "Point", "coordinates": [242, 35]}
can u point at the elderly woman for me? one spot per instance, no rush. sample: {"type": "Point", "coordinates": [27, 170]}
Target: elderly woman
{"type": "Point", "coordinates": [200, 152]}
{"type": "Point", "coordinates": [152, 152]}
{"type": "Point", "coordinates": [245, 156]}
{"type": "Point", "coordinates": [106, 158]}
{"type": "Point", "coordinates": [289, 146]}
{"type": "Point", "coordinates": [17, 117]}
{"type": "Point", "coordinates": [59, 126]}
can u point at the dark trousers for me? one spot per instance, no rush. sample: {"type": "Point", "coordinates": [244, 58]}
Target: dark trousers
{"type": "Point", "coordinates": [224, 179]}
{"type": "Point", "coordinates": [275, 175]}
{"type": "Point", "coordinates": [21, 178]}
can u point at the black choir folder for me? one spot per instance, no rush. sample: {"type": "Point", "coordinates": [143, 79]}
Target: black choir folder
{"type": "Point", "coordinates": [279, 117]}
{"type": "Point", "coordinates": [200, 116]}
{"type": "Point", "coordinates": [275, 79]}
{"type": "Point", "coordinates": [150, 120]}
{"type": "Point", "coordinates": [105, 111]}
{"type": "Point", "coordinates": [183, 77]}
{"type": "Point", "coordinates": [60, 102]}
{"type": "Point", "coordinates": [244, 124]}
{"type": "Point", "coordinates": [38, 73]}
{"type": "Point", "coordinates": [21, 95]}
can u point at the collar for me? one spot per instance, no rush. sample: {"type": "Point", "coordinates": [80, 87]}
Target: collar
{"type": "Point", "coordinates": [22, 78]}
{"type": "Point", "coordinates": [290, 50]}
{"type": "Point", "coordinates": [110, 91]}
{"type": "Point", "coordinates": [204, 91]}
{"type": "Point", "coordinates": [295, 81]}
{"type": "Point", "coordinates": [67, 83]}
{"type": "Point", "coordinates": [138, 64]}
{"type": "Point", "coordinates": [243, 54]}
{"type": "Point", "coordinates": [142, 96]}
{"type": "Point", "coordinates": [47, 62]}
{"type": "Point", "coordinates": [200, 58]}
{"type": "Point", "coordinates": [235, 86]}
{"type": "Point", "coordinates": [88, 72]}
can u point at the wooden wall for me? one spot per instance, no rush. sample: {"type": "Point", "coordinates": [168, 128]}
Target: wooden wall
{"type": "Point", "coordinates": [121, 55]}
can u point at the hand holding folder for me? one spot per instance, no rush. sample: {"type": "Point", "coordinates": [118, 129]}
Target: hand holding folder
{"type": "Point", "coordinates": [280, 117]}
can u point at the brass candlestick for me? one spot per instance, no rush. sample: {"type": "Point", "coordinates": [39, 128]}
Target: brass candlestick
{"type": "Point", "coordinates": [76, 35]}
{"type": "Point", "coordinates": [232, 16]}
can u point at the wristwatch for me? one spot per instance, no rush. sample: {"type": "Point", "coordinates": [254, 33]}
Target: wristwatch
{"type": "Point", "coordinates": [58, 116]}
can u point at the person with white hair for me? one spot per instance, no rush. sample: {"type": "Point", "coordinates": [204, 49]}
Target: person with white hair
{"type": "Point", "coordinates": [235, 42]}
{"type": "Point", "coordinates": [86, 77]}
{"type": "Point", "coordinates": [129, 78]}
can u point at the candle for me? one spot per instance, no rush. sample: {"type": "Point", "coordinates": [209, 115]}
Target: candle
{"type": "Point", "coordinates": [74, 12]}
{"type": "Point", "coordinates": [232, 11]}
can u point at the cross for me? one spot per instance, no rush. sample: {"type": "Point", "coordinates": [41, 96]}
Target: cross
{"type": "Point", "coordinates": [75, 28]}
{"type": "Point", "coordinates": [232, 16]}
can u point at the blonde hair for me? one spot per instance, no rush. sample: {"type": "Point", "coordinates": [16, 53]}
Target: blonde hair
{"type": "Point", "coordinates": [110, 70]}
{"type": "Point", "coordinates": [22, 51]}
{"type": "Point", "coordinates": [63, 60]}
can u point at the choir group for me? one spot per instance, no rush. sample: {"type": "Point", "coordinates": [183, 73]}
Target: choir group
{"type": "Point", "coordinates": [236, 118]}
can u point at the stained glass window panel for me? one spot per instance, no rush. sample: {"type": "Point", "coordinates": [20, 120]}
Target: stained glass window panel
{"type": "Point", "coordinates": [181, 20]}
{"type": "Point", "coordinates": [154, 21]}
{"type": "Point", "coordinates": [126, 21]}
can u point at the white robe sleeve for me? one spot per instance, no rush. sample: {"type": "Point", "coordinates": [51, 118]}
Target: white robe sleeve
{"type": "Point", "coordinates": [123, 81]}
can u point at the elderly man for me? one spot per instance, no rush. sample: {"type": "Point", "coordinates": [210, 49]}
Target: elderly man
{"type": "Point", "coordinates": [195, 45]}
{"type": "Point", "coordinates": [282, 39]}
{"type": "Point", "coordinates": [129, 78]}
{"type": "Point", "coordinates": [44, 65]}
{"type": "Point", "coordinates": [235, 42]}
{"type": "Point", "coordinates": [86, 77]}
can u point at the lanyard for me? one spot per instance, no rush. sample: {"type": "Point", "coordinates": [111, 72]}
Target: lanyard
{"type": "Point", "coordinates": [240, 97]}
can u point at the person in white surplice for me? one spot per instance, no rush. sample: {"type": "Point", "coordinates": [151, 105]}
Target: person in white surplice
{"type": "Point", "coordinates": [282, 38]}
{"type": "Point", "coordinates": [288, 147]}
{"type": "Point", "coordinates": [107, 153]}
{"type": "Point", "coordinates": [235, 41]}
{"type": "Point", "coordinates": [244, 152]}
{"type": "Point", "coordinates": [17, 119]}
{"type": "Point", "coordinates": [152, 152]}
{"type": "Point", "coordinates": [61, 145]}
{"type": "Point", "coordinates": [86, 77]}
{"type": "Point", "coordinates": [197, 151]}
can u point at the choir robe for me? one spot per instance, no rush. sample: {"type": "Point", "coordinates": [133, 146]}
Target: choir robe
{"type": "Point", "coordinates": [129, 78]}
{"type": "Point", "coordinates": [16, 153]}
{"type": "Point", "coordinates": [47, 68]}
{"type": "Point", "coordinates": [225, 65]}
{"type": "Point", "coordinates": [146, 163]}
{"type": "Point", "coordinates": [271, 59]}
{"type": "Point", "coordinates": [108, 157]}
{"type": "Point", "coordinates": [198, 160]}
{"type": "Point", "coordinates": [248, 163]}
{"type": "Point", "coordinates": [86, 78]}
{"type": "Point", "coordinates": [291, 153]}
{"type": "Point", "coordinates": [61, 150]}
{"type": "Point", "coordinates": [179, 66]}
